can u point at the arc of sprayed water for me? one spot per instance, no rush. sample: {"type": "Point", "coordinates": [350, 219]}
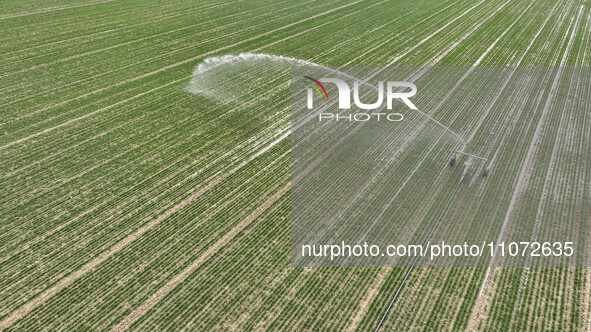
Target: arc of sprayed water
{"type": "Point", "coordinates": [217, 61]}
{"type": "Point", "coordinates": [213, 62]}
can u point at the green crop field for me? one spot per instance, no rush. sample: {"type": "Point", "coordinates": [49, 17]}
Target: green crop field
{"type": "Point", "coordinates": [146, 164]}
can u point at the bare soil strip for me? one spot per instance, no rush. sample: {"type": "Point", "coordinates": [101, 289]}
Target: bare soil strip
{"type": "Point", "coordinates": [372, 292]}
{"type": "Point", "coordinates": [585, 304]}
{"type": "Point", "coordinates": [52, 9]}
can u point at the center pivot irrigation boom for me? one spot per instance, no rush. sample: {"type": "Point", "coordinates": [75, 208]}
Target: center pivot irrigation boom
{"type": "Point", "coordinates": [468, 162]}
